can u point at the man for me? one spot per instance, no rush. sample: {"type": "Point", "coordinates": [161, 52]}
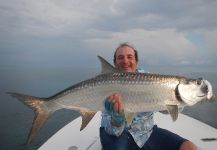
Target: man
{"type": "Point", "coordinates": [142, 133]}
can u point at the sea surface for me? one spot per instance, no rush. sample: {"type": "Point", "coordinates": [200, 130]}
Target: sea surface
{"type": "Point", "coordinates": [16, 118]}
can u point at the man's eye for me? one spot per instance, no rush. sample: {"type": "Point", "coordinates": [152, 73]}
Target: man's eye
{"type": "Point", "coordinates": [120, 57]}
{"type": "Point", "coordinates": [130, 57]}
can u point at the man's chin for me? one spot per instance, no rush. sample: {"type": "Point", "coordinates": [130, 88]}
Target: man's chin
{"type": "Point", "coordinates": [126, 70]}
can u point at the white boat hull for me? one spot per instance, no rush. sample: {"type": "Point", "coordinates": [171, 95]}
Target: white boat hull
{"type": "Point", "coordinates": [71, 138]}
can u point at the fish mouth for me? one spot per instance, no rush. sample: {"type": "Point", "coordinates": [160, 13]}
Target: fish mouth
{"type": "Point", "coordinates": [208, 89]}
{"type": "Point", "coordinates": [201, 95]}
{"type": "Point", "coordinates": [190, 101]}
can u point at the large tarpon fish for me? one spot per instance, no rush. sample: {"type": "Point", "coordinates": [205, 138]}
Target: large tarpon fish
{"type": "Point", "coordinates": [141, 92]}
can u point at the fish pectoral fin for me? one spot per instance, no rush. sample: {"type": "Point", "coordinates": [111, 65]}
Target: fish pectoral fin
{"type": "Point", "coordinates": [86, 117]}
{"type": "Point", "coordinates": [173, 111]}
{"type": "Point", "coordinates": [166, 112]}
{"type": "Point", "coordinates": [129, 117]}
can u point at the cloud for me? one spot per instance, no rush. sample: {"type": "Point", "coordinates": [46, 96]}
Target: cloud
{"type": "Point", "coordinates": [211, 46]}
{"type": "Point", "coordinates": [53, 17]}
{"type": "Point", "coordinates": [166, 44]}
{"type": "Point", "coordinates": [161, 31]}
{"type": "Point", "coordinates": [45, 17]}
{"type": "Point", "coordinates": [181, 15]}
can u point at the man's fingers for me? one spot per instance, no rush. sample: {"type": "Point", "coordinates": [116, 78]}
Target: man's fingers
{"type": "Point", "coordinates": [119, 106]}
{"type": "Point", "coordinates": [114, 103]}
{"type": "Point", "coordinates": [116, 107]}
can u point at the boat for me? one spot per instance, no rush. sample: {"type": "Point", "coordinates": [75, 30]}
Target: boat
{"type": "Point", "coordinates": [71, 138]}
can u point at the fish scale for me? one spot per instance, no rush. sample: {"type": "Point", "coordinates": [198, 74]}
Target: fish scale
{"type": "Point", "coordinates": [134, 87]}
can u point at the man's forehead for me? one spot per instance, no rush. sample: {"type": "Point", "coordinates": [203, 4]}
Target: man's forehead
{"type": "Point", "coordinates": [125, 51]}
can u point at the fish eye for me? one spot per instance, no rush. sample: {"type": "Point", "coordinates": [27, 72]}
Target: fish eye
{"type": "Point", "coordinates": [199, 81]}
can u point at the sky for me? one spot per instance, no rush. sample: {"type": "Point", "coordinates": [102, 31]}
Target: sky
{"type": "Point", "coordinates": [38, 38]}
{"type": "Point", "coordinates": [71, 33]}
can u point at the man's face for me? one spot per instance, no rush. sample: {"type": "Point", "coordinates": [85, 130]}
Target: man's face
{"type": "Point", "coordinates": [125, 59]}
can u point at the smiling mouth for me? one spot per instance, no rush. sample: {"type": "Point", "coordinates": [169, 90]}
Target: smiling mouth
{"type": "Point", "coordinates": [125, 67]}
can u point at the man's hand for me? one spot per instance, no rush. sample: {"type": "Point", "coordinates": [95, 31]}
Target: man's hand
{"type": "Point", "coordinates": [115, 107]}
{"type": "Point", "coordinates": [114, 103]}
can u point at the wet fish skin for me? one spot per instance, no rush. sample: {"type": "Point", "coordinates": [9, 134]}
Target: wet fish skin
{"type": "Point", "coordinates": [140, 91]}
{"type": "Point", "coordinates": [132, 86]}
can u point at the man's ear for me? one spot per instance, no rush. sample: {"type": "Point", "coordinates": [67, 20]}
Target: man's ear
{"type": "Point", "coordinates": [115, 65]}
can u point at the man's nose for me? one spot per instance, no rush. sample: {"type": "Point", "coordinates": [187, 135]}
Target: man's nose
{"type": "Point", "coordinates": [125, 59]}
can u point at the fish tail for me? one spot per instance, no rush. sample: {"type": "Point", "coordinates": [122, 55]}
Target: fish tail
{"type": "Point", "coordinates": [42, 113]}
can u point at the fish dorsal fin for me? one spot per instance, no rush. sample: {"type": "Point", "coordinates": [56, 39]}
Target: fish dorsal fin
{"type": "Point", "coordinates": [173, 111]}
{"type": "Point", "coordinates": [106, 66]}
{"type": "Point", "coordinates": [86, 117]}
{"type": "Point", "coordinates": [129, 117]}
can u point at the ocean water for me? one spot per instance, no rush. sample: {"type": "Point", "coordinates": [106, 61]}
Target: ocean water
{"type": "Point", "coordinates": [16, 118]}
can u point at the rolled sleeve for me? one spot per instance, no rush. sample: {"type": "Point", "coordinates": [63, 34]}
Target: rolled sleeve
{"type": "Point", "coordinates": [109, 128]}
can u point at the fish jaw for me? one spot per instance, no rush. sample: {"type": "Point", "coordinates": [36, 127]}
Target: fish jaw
{"type": "Point", "coordinates": [192, 92]}
{"type": "Point", "coordinates": [210, 94]}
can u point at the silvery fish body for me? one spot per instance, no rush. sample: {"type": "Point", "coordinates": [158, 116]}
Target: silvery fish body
{"type": "Point", "coordinates": [141, 92]}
